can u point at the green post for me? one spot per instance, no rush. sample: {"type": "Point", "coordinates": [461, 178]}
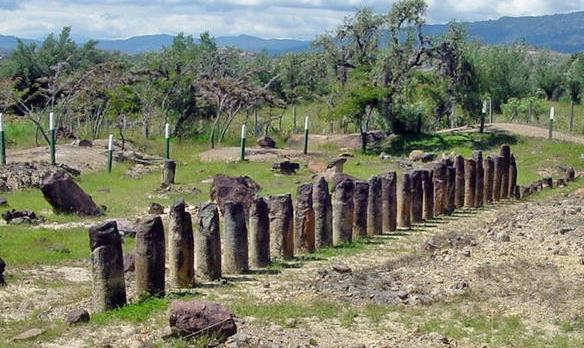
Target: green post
{"type": "Point", "coordinates": [2, 142]}
{"type": "Point", "coordinates": [552, 115]}
{"type": "Point", "coordinates": [306, 135]}
{"type": "Point", "coordinates": [52, 137]}
{"type": "Point", "coordinates": [110, 153]}
{"type": "Point", "coordinates": [167, 141]}
{"type": "Point", "coordinates": [243, 143]}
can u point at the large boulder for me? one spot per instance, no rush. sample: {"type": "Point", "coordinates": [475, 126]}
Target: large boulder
{"type": "Point", "coordinates": [192, 318]}
{"type": "Point", "coordinates": [65, 196]}
{"type": "Point", "coordinates": [236, 189]}
{"type": "Point", "coordinates": [285, 167]}
{"type": "Point", "coordinates": [266, 142]}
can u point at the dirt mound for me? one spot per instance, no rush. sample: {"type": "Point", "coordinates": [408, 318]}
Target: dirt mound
{"type": "Point", "coordinates": [342, 140]}
{"type": "Point", "coordinates": [254, 154]}
{"type": "Point", "coordinates": [19, 176]}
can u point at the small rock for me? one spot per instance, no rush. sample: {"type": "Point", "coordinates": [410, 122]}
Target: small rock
{"type": "Point", "coordinates": [3, 202]}
{"type": "Point", "coordinates": [28, 334]}
{"type": "Point", "coordinates": [384, 157]}
{"type": "Point", "coordinates": [565, 230]}
{"type": "Point", "coordinates": [266, 142]}
{"type": "Point", "coordinates": [466, 253]}
{"type": "Point", "coordinates": [503, 237]}
{"type": "Point", "coordinates": [156, 209]}
{"type": "Point", "coordinates": [85, 143]}
{"type": "Point", "coordinates": [188, 317]}
{"type": "Point", "coordinates": [77, 316]}
{"type": "Point", "coordinates": [342, 268]}
{"type": "Point", "coordinates": [291, 322]}
{"type": "Point", "coordinates": [346, 154]}
{"type": "Point", "coordinates": [416, 155]}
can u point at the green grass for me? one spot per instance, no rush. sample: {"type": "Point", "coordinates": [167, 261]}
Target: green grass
{"type": "Point", "coordinates": [134, 313]}
{"type": "Point", "coordinates": [282, 311]}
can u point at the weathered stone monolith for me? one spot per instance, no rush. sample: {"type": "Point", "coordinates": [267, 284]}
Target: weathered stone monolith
{"type": "Point", "coordinates": [389, 201]}
{"type": "Point", "coordinates": [477, 156]}
{"type": "Point", "coordinates": [404, 201]}
{"type": "Point", "coordinates": [343, 211]}
{"type": "Point", "coordinates": [374, 207]}
{"type": "Point", "coordinates": [459, 185]}
{"type": "Point", "coordinates": [489, 179]}
{"type": "Point", "coordinates": [512, 176]}
{"type": "Point", "coordinates": [451, 190]}
{"type": "Point", "coordinates": [181, 257]}
{"type": "Point", "coordinates": [498, 179]}
{"type": "Point", "coordinates": [428, 188]}
{"type": "Point", "coordinates": [440, 173]}
{"type": "Point", "coordinates": [281, 226]}
{"type": "Point", "coordinates": [150, 257]}
{"type": "Point", "coordinates": [259, 233]}
{"type": "Point", "coordinates": [66, 196]}
{"type": "Point", "coordinates": [470, 177]}
{"type": "Point", "coordinates": [506, 154]}
{"type": "Point", "coordinates": [208, 243]}
{"type": "Point", "coordinates": [304, 220]}
{"type": "Point", "coordinates": [360, 199]}
{"type": "Point", "coordinates": [107, 267]}
{"type": "Point", "coordinates": [323, 212]}
{"type": "Point", "coordinates": [416, 213]}
{"type": "Point", "coordinates": [235, 247]}
{"type": "Point", "coordinates": [168, 172]}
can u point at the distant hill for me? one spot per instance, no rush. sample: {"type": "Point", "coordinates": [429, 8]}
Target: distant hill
{"type": "Point", "coordinates": [560, 32]}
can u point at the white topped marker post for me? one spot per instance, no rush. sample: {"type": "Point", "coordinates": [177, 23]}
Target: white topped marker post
{"type": "Point", "coordinates": [2, 141]}
{"type": "Point", "coordinates": [167, 141]}
{"type": "Point", "coordinates": [306, 120]}
{"type": "Point", "coordinates": [243, 142]}
{"type": "Point", "coordinates": [53, 137]}
{"type": "Point", "coordinates": [552, 117]}
{"type": "Point", "coordinates": [110, 153]}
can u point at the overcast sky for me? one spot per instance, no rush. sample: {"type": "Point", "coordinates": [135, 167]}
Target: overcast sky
{"type": "Point", "coordinates": [301, 19]}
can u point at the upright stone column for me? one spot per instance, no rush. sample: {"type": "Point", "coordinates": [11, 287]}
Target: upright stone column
{"type": "Point", "coordinates": [181, 257]}
{"type": "Point", "coordinates": [360, 199]}
{"type": "Point", "coordinates": [470, 172]}
{"type": "Point", "coordinates": [150, 257]}
{"type": "Point", "coordinates": [259, 233]}
{"type": "Point", "coordinates": [459, 185]}
{"type": "Point", "coordinates": [389, 201]}
{"type": "Point", "coordinates": [282, 227]}
{"type": "Point", "coordinates": [107, 267]}
{"type": "Point", "coordinates": [440, 174]}
{"type": "Point", "coordinates": [208, 243]}
{"type": "Point", "coordinates": [416, 212]}
{"type": "Point", "coordinates": [512, 176]}
{"type": "Point", "coordinates": [451, 198]}
{"type": "Point", "coordinates": [235, 257]}
{"type": "Point", "coordinates": [480, 179]}
{"type": "Point", "coordinates": [428, 188]}
{"type": "Point", "coordinates": [498, 179]}
{"type": "Point", "coordinates": [506, 154]}
{"type": "Point", "coordinates": [404, 201]}
{"type": "Point", "coordinates": [168, 172]}
{"type": "Point", "coordinates": [304, 220]}
{"type": "Point", "coordinates": [489, 170]}
{"type": "Point", "coordinates": [343, 210]}
{"type": "Point", "coordinates": [323, 213]}
{"type": "Point", "coordinates": [374, 207]}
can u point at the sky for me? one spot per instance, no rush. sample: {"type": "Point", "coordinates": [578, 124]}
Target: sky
{"type": "Point", "coordinates": [298, 19]}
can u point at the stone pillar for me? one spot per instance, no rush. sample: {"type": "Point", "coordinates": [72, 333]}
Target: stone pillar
{"type": "Point", "coordinates": [235, 257]}
{"type": "Point", "coordinates": [459, 185]}
{"type": "Point", "coordinates": [506, 154]}
{"type": "Point", "coordinates": [404, 201]}
{"type": "Point", "coordinates": [360, 199]}
{"type": "Point", "coordinates": [428, 188]}
{"type": "Point", "coordinates": [374, 207]}
{"type": "Point", "coordinates": [512, 176]}
{"type": "Point", "coordinates": [570, 174]}
{"type": "Point", "coordinates": [416, 212]}
{"type": "Point", "coordinates": [489, 180]}
{"type": "Point", "coordinates": [451, 190]}
{"type": "Point", "coordinates": [323, 214]}
{"type": "Point", "coordinates": [304, 220]}
{"type": "Point", "coordinates": [343, 210]}
{"type": "Point", "coordinates": [168, 172]}
{"type": "Point", "coordinates": [470, 174]}
{"type": "Point", "coordinates": [208, 243]}
{"type": "Point", "coordinates": [281, 226]}
{"type": "Point", "coordinates": [181, 257]}
{"type": "Point", "coordinates": [498, 178]}
{"type": "Point", "coordinates": [259, 233]}
{"type": "Point", "coordinates": [477, 156]}
{"type": "Point", "coordinates": [389, 201]}
{"type": "Point", "coordinates": [440, 174]}
{"type": "Point", "coordinates": [149, 257]}
{"type": "Point", "coordinates": [107, 267]}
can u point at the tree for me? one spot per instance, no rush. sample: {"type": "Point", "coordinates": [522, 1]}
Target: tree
{"type": "Point", "coordinates": [573, 83]}
{"type": "Point", "coordinates": [547, 75]}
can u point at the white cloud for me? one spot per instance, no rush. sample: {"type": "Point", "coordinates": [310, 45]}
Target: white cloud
{"type": "Point", "coordinates": [267, 18]}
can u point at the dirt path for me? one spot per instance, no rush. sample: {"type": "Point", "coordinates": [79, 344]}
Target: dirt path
{"type": "Point", "coordinates": [520, 129]}
{"type": "Point", "coordinates": [456, 282]}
